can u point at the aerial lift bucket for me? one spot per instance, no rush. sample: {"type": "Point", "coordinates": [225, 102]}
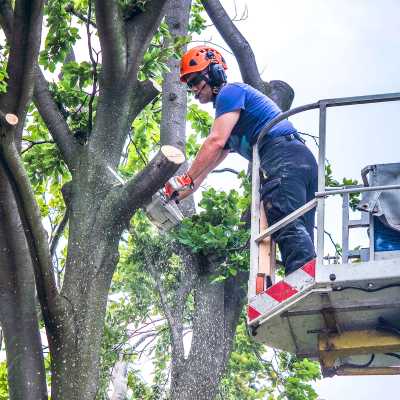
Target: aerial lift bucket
{"type": "Point", "coordinates": [345, 315]}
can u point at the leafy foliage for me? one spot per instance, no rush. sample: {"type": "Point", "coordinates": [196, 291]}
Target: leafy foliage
{"type": "Point", "coordinates": [42, 159]}
{"type": "Point", "coordinates": [3, 381]}
{"type": "Point", "coordinates": [332, 182]}
{"type": "Point", "coordinates": [155, 59]}
{"type": "Point", "coordinates": [295, 379]}
{"type": "Point", "coordinates": [143, 138]}
{"type": "Point", "coordinates": [131, 8]}
{"type": "Point", "coordinates": [61, 35]}
{"type": "Point", "coordinates": [71, 96]}
{"type": "Point", "coordinates": [201, 123]}
{"type": "Point", "coordinates": [218, 230]}
{"type": "Point", "coordinates": [247, 375]}
{"type": "Point", "coordinates": [3, 69]}
{"type": "Point", "coordinates": [197, 22]}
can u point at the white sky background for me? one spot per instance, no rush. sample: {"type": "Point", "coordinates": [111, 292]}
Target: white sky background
{"type": "Point", "coordinates": [329, 49]}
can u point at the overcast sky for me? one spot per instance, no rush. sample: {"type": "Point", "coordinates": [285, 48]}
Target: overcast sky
{"type": "Point", "coordinates": [329, 49]}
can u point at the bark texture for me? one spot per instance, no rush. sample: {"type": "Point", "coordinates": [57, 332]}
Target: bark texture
{"type": "Point", "coordinates": [98, 210]}
{"type": "Point", "coordinates": [174, 95]}
{"type": "Point", "coordinates": [18, 314]}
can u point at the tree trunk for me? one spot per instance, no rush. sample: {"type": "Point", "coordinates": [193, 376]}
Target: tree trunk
{"type": "Point", "coordinates": [18, 313]}
{"type": "Point", "coordinates": [75, 359]}
{"type": "Point", "coordinates": [217, 312]}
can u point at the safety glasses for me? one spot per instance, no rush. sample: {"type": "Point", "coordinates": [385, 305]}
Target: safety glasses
{"type": "Point", "coordinates": [195, 81]}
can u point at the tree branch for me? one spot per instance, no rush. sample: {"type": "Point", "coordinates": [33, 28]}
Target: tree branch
{"type": "Point", "coordinates": [35, 232]}
{"type": "Point", "coordinates": [172, 314]}
{"type": "Point", "coordinates": [138, 191]}
{"type": "Point", "coordinates": [59, 231]}
{"type": "Point", "coordinates": [43, 100]}
{"type": "Point", "coordinates": [237, 42]}
{"type": "Point", "coordinates": [55, 121]}
{"type": "Point", "coordinates": [278, 91]}
{"type": "Point", "coordinates": [31, 144]}
{"type": "Point", "coordinates": [112, 40]}
{"type": "Point", "coordinates": [6, 18]}
{"type": "Point", "coordinates": [143, 93]}
{"type": "Point", "coordinates": [174, 96]}
{"type": "Point", "coordinates": [140, 30]}
{"type": "Point", "coordinates": [24, 49]}
{"type": "Point", "coordinates": [70, 9]}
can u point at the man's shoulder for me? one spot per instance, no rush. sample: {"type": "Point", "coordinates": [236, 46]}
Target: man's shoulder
{"type": "Point", "coordinates": [232, 96]}
{"type": "Point", "coordinates": [235, 86]}
{"type": "Point", "coordinates": [232, 89]}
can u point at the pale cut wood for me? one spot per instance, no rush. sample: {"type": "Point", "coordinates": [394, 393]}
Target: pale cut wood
{"type": "Point", "coordinates": [173, 154]}
{"type": "Point", "coordinates": [10, 119]}
{"type": "Point", "coordinates": [266, 259]}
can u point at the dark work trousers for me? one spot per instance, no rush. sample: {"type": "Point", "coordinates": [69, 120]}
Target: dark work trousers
{"type": "Point", "coordinates": [291, 177]}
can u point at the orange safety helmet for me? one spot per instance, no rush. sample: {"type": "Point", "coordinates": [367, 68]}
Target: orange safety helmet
{"type": "Point", "coordinates": [198, 59]}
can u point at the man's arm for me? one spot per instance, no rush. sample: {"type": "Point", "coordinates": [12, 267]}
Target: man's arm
{"type": "Point", "coordinates": [212, 151]}
{"type": "Point", "coordinates": [197, 182]}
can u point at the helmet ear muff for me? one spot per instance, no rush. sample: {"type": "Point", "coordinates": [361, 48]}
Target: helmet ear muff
{"type": "Point", "coordinates": [216, 74]}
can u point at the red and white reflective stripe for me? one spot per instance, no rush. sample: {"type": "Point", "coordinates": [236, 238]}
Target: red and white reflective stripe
{"type": "Point", "coordinates": [294, 283]}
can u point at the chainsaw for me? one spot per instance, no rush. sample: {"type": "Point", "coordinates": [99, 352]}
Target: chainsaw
{"type": "Point", "coordinates": [162, 211]}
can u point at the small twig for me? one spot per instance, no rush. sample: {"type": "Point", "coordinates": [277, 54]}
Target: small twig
{"type": "Point", "coordinates": [240, 248]}
{"type": "Point", "coordinates": [59, 231]}
{"type": "Point", "coordinates": [136, 333]}
{"type": "Point", "coordinates": [217, 171]}
{"type": "Point", "coordinates": [32, 143]}
{"type": "Point", "coordinates": [243, 17]}
{"type": "Point", "coordinates": [315, 138]}
{"type": "Point", "coordinates": [146, 324]}
{"type": "Point", "coordinates": [82, 105]}
{"type": "Point", "coordinates": [333, 242]}
{"type": "Point", "coordinates": [144, 159]}
{"type": "Point", "coordinates": [212, 43]}
{"type": "Point", "coordinates": [70, 9]}
{"type": "Point", "coordinates": [148, 344]}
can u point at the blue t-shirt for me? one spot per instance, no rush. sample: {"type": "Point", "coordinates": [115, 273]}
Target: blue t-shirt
{"type": "Point", "coordinates": [256, 111]}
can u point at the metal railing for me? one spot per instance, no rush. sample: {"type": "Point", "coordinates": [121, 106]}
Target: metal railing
{"type": "Point", "coordinates": [322, 193]}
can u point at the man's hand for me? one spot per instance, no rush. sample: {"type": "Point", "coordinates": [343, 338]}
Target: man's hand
{"type": "Point", "coordinates": [177, 184]}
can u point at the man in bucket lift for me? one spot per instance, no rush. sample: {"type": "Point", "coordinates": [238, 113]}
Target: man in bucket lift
{"type": "Point", "coordinates": [289, 168]}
